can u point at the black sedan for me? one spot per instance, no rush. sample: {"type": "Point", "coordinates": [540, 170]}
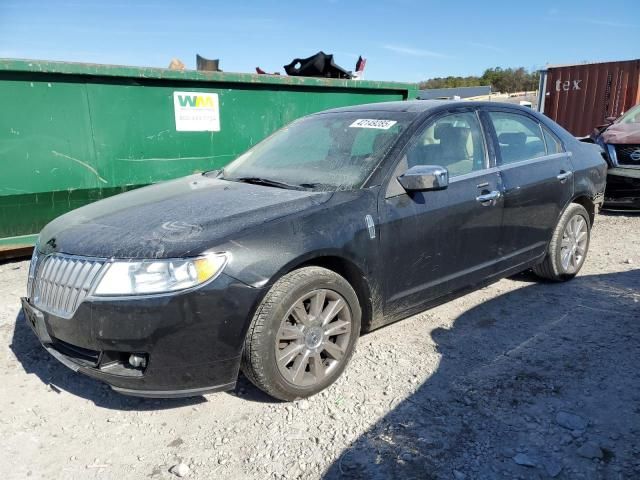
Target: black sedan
{"type": "Point", "coordinates": [337, 224]}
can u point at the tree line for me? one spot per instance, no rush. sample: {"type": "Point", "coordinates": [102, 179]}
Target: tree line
{"type": "Point", "coordinates": [505, 80]}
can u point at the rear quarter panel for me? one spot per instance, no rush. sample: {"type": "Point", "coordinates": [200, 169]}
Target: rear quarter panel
{"type": "Point", "coordinates": [589, 165]}
{"type": "Point", "coordinates": [590, 169]}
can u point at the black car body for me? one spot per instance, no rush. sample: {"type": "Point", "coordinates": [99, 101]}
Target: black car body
{"type": "Point", "coordinates": [401, 251]}
{"type": "Point", "coordinates": [621, 141]}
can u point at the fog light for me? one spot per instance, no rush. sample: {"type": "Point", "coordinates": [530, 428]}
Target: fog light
{"type": "Point", "coordinates": [137, 361]}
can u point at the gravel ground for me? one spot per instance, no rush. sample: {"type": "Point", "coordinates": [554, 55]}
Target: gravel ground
{"type": "Point", "coordinates": [517, 380]}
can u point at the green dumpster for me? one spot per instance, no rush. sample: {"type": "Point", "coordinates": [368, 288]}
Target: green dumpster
{"type": "Point", "coordinates": [74, 133]}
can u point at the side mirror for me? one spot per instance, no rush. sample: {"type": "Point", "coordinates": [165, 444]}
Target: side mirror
{"type": "Point", "coordinates": [610, 120]}
{"type": "Point", "coordinates": [424, 177]}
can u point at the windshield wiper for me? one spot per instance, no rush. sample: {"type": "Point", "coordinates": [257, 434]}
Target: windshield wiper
{"type": "Point", "coordinates": [266, 181]}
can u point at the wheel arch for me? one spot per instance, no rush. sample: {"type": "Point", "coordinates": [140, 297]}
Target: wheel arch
{"type": "Point", "coordinates": [585, 201]}
{"type": "Point", "coordinates": [589, 205]}
{"type": "Point", "coordinates": [351, 272]}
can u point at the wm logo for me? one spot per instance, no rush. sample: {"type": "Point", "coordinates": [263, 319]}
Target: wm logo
{"type": "Point", "coordinates": [195, 101]}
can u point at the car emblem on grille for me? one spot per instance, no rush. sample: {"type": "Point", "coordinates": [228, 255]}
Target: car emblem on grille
{"type": "Point", "coordinates": [635, 155]}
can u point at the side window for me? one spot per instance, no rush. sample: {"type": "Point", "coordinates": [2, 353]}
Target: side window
{"type": "Point", "coordinates": [553, 144]}
{"type": "Point", "coordinates": [519, 137]}
{"type": "Point", "coordinates": [453, 141]}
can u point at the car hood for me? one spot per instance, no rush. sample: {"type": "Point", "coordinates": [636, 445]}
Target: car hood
{"type": "Point", "coordinates": [178, 218]}
{"type": "Point", "coordinates": [622, 133]}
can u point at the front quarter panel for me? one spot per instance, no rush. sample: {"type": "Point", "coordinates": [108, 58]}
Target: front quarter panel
{"type": "Point", "coordinates": [261, 256]}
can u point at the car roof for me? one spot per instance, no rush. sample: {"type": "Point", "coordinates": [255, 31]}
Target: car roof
{"type": "Point", "coordinates": [422, 106]}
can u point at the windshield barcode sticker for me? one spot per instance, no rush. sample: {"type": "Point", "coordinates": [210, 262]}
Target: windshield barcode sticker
{"type": "Point", "coordinates": [373, 123]}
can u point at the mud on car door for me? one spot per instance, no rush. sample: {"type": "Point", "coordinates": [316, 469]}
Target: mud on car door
{"type": "Point", "coordinates": [435, 242]}
{"type": "Point", "coordinates": [537, 175]}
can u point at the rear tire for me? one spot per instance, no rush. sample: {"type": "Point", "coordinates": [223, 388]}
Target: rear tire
{"type": "Point", "coordinates": [303, 334]}
{"type": "Point", "coordinates": [568, 247]}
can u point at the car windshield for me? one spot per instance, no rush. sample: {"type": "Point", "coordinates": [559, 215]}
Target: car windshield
{"type": "Point", "coordinates": [632, 116]}
{"type": "Point", "coordinates": [333, 151]}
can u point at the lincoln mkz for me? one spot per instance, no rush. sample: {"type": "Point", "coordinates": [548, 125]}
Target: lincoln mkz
{"type": "Point", "coordinates": [339, 223]}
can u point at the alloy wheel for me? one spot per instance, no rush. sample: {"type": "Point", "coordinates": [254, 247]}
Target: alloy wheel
{"type": "Point", "coordinates": [573, 247]}
{"type": "Point", "coordinates": [313, 337]}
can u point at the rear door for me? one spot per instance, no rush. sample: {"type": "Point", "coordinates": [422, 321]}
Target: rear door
{"type": "Point", "coordinates": [436, 242]}
{"type": "Point", "coordinates": [537, 176]}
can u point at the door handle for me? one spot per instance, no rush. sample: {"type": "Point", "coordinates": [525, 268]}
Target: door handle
{"type": "Point", "coordinates": [562, 176]}
{"type": "Point", "coordinates": [489, 199]}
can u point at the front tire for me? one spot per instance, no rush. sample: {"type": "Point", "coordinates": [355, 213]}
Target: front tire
{"type": "Point", "coordinates": [568, 247]}
{"type": "Point", "coordinates": [302, 334]}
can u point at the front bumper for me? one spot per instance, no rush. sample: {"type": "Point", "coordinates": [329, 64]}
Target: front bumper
{"type": "Point", "coordinates": [192, 340]}
{"type": "Point", "coordinates": [623, 188]}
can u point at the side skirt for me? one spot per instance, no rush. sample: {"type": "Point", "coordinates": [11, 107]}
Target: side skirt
{"type": "Point", "coordinates": [459, 293]}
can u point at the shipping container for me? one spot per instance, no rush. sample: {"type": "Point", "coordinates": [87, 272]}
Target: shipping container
{"type": "Point", "coordinates": [74, 133]}
{"type": "Point", "coordinates": [581, 97]}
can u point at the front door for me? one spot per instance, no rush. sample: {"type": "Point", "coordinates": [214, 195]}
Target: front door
{"type": "Point", "coordinates": [436, 242]}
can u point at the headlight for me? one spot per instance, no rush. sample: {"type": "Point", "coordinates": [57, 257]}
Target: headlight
{"type": "Point", "coordinates": [158, 276]}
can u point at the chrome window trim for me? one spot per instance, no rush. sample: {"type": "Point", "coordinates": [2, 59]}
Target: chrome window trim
{"type": "Point", "coordinates": [531, 161]}
{"type": "Point", "coordinates": [477, 173]}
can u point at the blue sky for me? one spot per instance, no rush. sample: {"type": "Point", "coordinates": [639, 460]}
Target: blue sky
{"type": "Point", "coordinates": [403, 40]}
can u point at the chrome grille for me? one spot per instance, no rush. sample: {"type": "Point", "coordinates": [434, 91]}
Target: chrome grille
{"type": "Point", "coordinates": [62, 282]}
{"type": "Point", "coordinates": [628, 155]}
{"type": "Point", "coordinates": [32, 270]}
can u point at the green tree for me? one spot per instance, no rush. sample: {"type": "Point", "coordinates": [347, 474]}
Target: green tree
{"type": "Point", "coordinates": [506, 80]}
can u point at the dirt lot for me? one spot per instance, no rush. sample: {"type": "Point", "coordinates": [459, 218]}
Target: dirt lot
{"type": "Point", "coordinates": [518, 380]}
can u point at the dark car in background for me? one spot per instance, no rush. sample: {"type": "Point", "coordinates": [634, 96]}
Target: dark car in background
{"type": "Point", "coordinates": [337, 224]}
{"type": "Point", "coordinates": [620, 139]}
